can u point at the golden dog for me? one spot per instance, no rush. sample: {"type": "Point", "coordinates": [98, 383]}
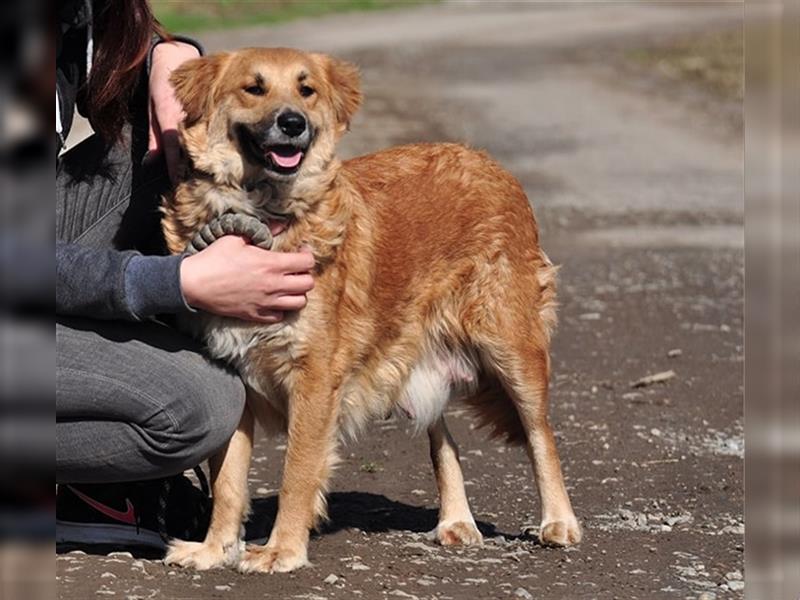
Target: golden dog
{"type": "Point", "coordinates": [430, 286]}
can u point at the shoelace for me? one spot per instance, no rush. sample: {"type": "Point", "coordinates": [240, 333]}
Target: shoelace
{"type": "Point", "coordinates": [198, 516]}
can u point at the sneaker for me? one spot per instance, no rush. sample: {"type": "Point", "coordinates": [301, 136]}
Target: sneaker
{"type": "Point", "coordinates": [143, 514]}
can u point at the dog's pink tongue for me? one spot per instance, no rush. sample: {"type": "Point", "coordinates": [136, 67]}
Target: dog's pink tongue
{"type": "Point", "coordinates": [286, 161]}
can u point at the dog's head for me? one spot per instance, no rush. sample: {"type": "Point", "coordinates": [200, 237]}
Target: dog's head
{"type": "Point", "coordinates": [269, 115]}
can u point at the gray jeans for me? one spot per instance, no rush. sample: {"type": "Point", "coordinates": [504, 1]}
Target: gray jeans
{"type": "Point", "coordinates": [134, 401]}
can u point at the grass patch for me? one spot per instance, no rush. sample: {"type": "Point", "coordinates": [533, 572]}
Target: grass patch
{"type": "Point", "coordinates": [712, 60]}
{"type": "Point", "coordinates": [181, 16]}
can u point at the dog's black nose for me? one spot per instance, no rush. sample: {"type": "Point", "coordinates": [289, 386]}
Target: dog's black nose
{"type": "Point", "coordinates": [292, 123]}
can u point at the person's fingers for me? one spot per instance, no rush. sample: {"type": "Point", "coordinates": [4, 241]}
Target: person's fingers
{"type": "Point", "coordinates": [293, 262]}
{"type": "Point", "coordinates": [297, 284]}
{"type": "Point", "coordinates": [294, 302]}
{"type": "Point", "coordinates": [269, 316]}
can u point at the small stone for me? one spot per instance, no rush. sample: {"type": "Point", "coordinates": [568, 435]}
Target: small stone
{"type": "Point", "coordinates": [357, 566]}
{"type": "Point", "coordinates": [331, 579]}
{"type": "Point", "coordinates": [222, 588]}
{"type": "Point", "coordinates": [420, 546]}
{"type": "Point", "coordinates": [654, 378]}
{"type": "Point", "coordinates": [733, 576]}
{"type": "Point", "coordinates": [523, 593]}
{"type": "Point", "coordinates": [418, 492]}
{"type": "Point", "coordinates": [120, 555]}
{"type": "Point", "coordinates": [736, 586]}
{"type": "Point", "coordinates": [707, 596]}
{"type": "Point", "coordinates": [674, 353]}
{"type": "Point", "coordinates": [108, 575]}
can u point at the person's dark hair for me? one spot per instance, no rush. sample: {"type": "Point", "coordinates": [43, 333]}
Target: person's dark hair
{"type": "Point", "coordinates": [123, 30]}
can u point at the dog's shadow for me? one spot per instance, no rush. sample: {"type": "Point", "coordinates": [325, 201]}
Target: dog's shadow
{"type": "Point", "coordinates": [361, 511]}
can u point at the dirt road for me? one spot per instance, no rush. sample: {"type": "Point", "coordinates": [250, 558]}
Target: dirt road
{"type": "Point", "coordinates": [640, 201]}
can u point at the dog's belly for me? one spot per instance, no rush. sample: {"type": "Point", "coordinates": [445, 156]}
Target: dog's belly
{"type": "Point", "coordinates": [439, 376]}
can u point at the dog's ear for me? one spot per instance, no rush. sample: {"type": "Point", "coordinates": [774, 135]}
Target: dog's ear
{"type": "Point", "coordinates": [345, 85]}
{"type": "Point", "coordinates": [194, 83]}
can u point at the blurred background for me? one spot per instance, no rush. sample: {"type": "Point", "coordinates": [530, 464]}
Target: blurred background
{"type": "Point", "coordinates": [625, 122]}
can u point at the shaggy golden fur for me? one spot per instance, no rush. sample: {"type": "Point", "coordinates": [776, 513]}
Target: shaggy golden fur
{"type": "Point", "coordinates": [430, 284]}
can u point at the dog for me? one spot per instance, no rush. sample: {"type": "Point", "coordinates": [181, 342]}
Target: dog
{"type": "Point", "coordinates": [429, 286]}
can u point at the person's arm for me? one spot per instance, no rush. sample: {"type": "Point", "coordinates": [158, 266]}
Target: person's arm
{"type": "Point", "coordinates": [110, 284]}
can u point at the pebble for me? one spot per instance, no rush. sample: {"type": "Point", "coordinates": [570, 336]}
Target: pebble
{"type": "Point", "coordinates": [222, 588]}
{"type": "Point", "coordinates": [707, 596]}
{"type": "Point", "coordinates": [119, 555]}
{"type": "Point", "coordinates": [736, 586]}
{"type": "Point", "coordinates": [331, 579]}
{"type": "Point", "coordinates": [357, 566]}
{"type": "Point", "coordinates": [733, 576]}
{"type": "Point", "coordinates": [523, 593]}
{"type": "Point", "coordinates": [674, 353]}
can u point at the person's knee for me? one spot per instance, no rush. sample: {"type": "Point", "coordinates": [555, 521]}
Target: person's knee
{"type": "Point", "coordinates": [200, 421]}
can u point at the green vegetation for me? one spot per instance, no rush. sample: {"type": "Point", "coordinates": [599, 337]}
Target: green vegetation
{"type": "Point", "coordinates": [713, 60]}
{"type": "Point", "coordinates": [181, 16]}
{"type": "Point", "coordinates": [370, 467]}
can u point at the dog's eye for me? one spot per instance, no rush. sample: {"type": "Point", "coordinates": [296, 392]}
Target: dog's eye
{"type": "Point", "coordinates": [306, 91]}
{"type": "Point", "coordinates": [255, 90]}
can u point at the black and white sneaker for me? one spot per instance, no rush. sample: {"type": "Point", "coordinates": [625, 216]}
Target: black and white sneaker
{"type": "Point", "coordinates": [137, 515]}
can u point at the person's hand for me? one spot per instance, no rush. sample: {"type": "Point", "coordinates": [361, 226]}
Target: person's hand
{"type": "Point", "coordinates": [235, 279]}
{"type": "Point", "coordinates": [165, 110]}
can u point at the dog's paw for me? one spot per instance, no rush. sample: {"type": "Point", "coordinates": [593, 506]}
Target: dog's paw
{"type": "Point", "coordinates": [458, 533]}
{"type": "Point", "coordinates": [199, 555]}
{"type": "Point", "coordinates": [263, 559]}
{"type": "Point", "coordinates": [560, 533]}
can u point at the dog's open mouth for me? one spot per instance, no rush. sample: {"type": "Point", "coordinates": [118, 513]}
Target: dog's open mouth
{"type": "Point", "coordinates": [278, 159]}
{"type": "Point", "coordinates": [284, 159]}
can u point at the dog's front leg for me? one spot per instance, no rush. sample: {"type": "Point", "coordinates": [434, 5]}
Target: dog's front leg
{"type": "Point", "coordinates": [229, 469]}
{"type": "Point", "coordinates": [310, 453]}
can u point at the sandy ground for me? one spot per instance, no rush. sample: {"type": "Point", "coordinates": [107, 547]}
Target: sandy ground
{"type": "Point", "coordinates": [640, 201]}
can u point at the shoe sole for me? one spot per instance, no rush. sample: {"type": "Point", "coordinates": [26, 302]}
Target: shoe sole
{"type": "Point", "coordinates": [107, 535]}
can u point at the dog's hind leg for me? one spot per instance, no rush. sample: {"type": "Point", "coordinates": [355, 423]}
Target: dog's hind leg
{"type": "Point", "coordinates": [520, 361]}
{"type": "Point", "coordinates": [229, 469]}
{"type": "Point", "coordinates": [456, 524]}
